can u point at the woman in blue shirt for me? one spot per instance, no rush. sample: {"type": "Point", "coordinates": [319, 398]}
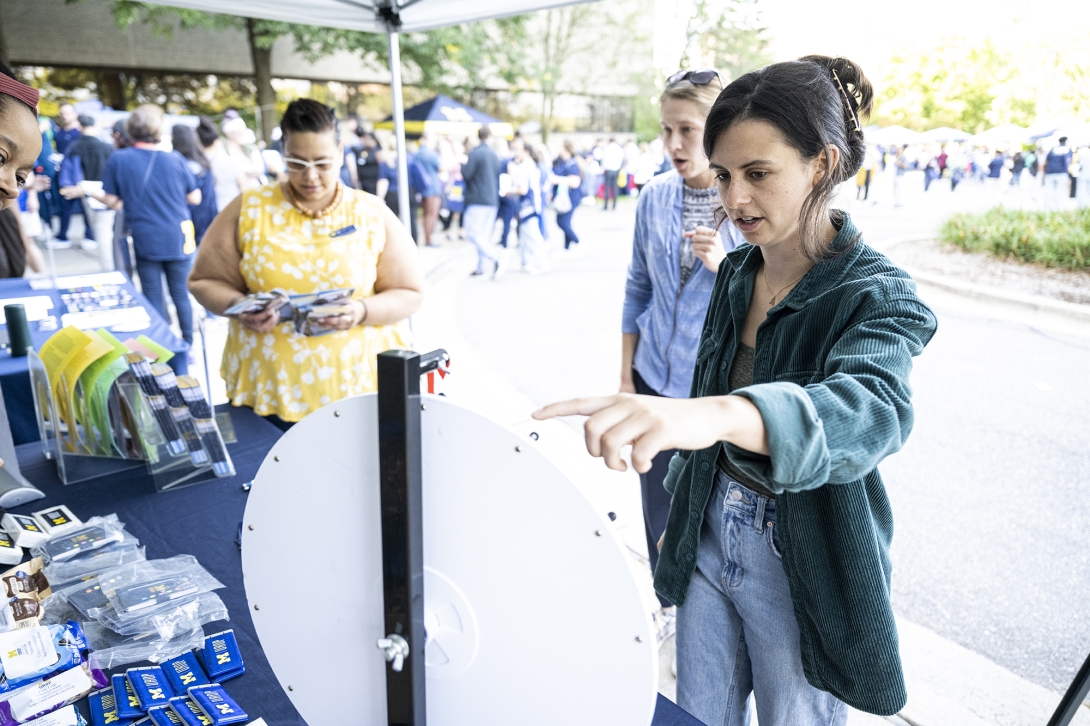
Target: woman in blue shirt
{"type": "Point", "coordinates": [777, 544]}
{"type": "Point", "coordinates": [570, 174]}
{"type": "Point", "coordinates": [675, 254]}
{"type": "Point", "coordinates": [184, 140]}
{"type": "Point", "coordinates": [157, 190]}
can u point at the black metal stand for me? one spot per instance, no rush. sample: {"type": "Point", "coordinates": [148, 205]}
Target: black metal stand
{"type": "Point", "coordinates": [400, 480]}
{"type": "Point", "coordinates": [1072, 700]}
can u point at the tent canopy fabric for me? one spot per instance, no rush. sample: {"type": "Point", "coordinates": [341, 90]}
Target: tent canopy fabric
{"type": "Point", "coordinates": [946, 133]}
{"type": "Point", "coordinates": [1007, 134]}
{"type": "Point", "coordinates": [445, 116]}
{"type": "Point", "coordinates": [895, 135]}
{"type": "Point", "coordinates": [371, 16]}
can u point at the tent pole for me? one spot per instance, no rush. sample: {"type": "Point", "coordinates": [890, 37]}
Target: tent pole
{"type": "Point", "coordinates": [399, 130]}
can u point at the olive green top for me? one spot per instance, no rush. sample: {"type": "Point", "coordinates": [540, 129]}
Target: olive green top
{"type": "Point", "coordinates": [741, 375]}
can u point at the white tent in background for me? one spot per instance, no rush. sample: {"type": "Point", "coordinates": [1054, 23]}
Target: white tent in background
{"type": "Point", "coordinates": [1005, 135]}
{"type": "Point", "coordinates": [1077, 133]}
{"type": "Point", "coordinates": [895, 136]}
{"type": "Point", "coordinates": [391, 17]}
{"type": "Point", "coordinates": [945, 134]}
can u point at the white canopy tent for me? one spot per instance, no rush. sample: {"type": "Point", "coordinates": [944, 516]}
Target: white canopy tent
{"type": "Point", "coordinates": [946, 133]}
{"type": "Point", "coordinates": [895, 136]}
{"type": "Point", "coordinates": [391, 17]}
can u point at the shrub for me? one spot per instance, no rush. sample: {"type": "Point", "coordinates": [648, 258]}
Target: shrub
{"type": "Point", "coordinates": [1052, 239]}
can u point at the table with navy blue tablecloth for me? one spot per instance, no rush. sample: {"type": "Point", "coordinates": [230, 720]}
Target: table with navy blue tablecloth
{"type": "Point", "coordinates": [202, 520]}
{"type": "Point", "coordinates": [14, 375]}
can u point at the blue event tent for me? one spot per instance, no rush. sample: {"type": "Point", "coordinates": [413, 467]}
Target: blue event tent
{"type": "Point", "coordinates": [445, 116]}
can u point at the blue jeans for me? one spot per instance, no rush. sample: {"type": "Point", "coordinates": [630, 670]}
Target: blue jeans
{"type": "Point", "coordinates": [479, 222]}
{"type": "Point", "coordinates": [736, 632]}
{"type": "Point", "coordinates": [507, 214]}
{"type": "Point", "coordinates": [610, 188]}
{"type": "Point", "coordinates": [70, 207]}
{"type": "Point", "coordinates": [151, 282]}
{"type": "Point", "coordinates": [564, 222]}
{"type": "Point", "coordinates": [532, 251]}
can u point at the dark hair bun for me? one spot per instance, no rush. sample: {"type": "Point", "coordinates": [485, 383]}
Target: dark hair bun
{"type": "Point", "coordinates": [858, 98]}
{"type": "Point", "coordinates": [305, 115]}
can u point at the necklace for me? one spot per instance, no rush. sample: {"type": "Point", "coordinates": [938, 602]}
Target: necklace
{"type": "Point", "coordinates": [772, 300]}
{"type": "Point", "coordinates": [310, 212]}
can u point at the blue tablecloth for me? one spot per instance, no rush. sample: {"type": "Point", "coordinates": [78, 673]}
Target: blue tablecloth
{"type": "Point", "coordinates": [202, 520]}
{"type": "Point", "coordinates": [13, 371]}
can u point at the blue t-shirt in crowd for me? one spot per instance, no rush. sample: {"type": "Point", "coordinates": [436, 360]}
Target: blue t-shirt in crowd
{"type": "Point", "coordinates": [995, 167]}
{"type": "Point", "coordinates": [1058, 160]}
{"type": "Point", "coordinates": [154, 199]}
{"type": "Point", "coordinates": [428, 161]}
{"type": "Point", "coordinates": [64, 138]}
{"type": "Point", "coordinates": [206, 211]}
{"type": "Point", "coordinates": [417, 182]}
{"type": "Point", "coordinates": [566, 169]}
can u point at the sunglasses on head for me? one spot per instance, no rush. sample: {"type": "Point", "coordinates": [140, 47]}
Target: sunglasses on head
{"type": "Point", "coordinates": [697, 78]}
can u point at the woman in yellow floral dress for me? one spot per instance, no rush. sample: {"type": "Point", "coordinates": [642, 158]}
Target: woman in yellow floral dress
{"type": "Point", "coordinates": [308, 234]}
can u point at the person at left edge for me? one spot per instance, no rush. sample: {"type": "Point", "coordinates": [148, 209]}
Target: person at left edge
{"type": "Point", "coordinates": [157, 190]}
{"type": "Point", "coordinates": [20, 138]}
{"type": "Point", "coordinates": [308, 234]}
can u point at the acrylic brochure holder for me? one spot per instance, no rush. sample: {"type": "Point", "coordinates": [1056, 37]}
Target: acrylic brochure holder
{"type": "Point", "coordinates": [172, 462]}
{"type": "Point", "coordinates": [83, 453]}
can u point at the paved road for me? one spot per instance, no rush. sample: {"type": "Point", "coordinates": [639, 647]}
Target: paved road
{"type": "Point", "coordinates": [992, 492]}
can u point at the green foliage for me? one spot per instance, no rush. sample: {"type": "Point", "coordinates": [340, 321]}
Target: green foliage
{"type": "Point", "coordinates": [442, 60]}
{"type": "Point", "coordinates": [1052, 239]}
{"type": "Point", "coordinates": [727, 35]}
{"type": "Point", "coordinates": [960, 84]}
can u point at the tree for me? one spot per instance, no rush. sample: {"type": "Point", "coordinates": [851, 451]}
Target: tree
{"type": "Point", "coordinates": [727, 35]}
{"type": "Point", "coordinates": [261, 34]}
{"type": "Point", "coordinates": [561, 44]}
{"type": "Point", "coordinates": [970, 86]}
{"type": "Point", "coordinates": [446, 60]}
{"type": "Point", "coordinates": [442, 59]}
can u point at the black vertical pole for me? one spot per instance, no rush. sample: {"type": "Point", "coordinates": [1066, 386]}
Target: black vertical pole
{"type": "Point", "coordinates": [1072, 700]}
{"type": "Point", "coordinates": [402, 530]}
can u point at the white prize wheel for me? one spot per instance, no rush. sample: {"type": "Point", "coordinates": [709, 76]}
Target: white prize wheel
{"type": "Point", "coordinates": [532, 613]}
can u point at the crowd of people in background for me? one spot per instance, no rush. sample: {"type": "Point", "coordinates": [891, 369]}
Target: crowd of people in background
{"type": "Point", "coordinates": [1060, 169]}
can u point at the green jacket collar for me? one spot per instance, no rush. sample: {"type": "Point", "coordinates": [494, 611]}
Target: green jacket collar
{"type": "Point", "coordinates": [825, 274]}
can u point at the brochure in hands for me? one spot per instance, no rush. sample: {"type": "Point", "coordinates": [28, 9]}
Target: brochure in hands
{"type": "Point", "coordinates": [304, 311]}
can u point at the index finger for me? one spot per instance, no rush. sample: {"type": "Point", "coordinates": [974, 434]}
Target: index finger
{"type": "Point", "coordinates": [575, 407]}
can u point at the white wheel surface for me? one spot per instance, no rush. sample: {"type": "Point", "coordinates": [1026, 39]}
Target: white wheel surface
{"type": "Point", "coordinates": [532, 612]}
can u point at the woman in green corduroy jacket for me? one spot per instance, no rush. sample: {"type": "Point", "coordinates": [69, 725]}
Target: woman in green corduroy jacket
{"type": "Point", "coordinates": [777, 545]}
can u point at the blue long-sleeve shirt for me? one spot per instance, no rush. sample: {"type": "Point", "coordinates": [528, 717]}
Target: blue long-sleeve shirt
{"type": "Point", "coordinates": [667, 316]}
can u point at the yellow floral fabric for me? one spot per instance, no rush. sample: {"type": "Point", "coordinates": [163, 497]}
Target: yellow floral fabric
{"type": "Point", "coordinates": [282, 372]}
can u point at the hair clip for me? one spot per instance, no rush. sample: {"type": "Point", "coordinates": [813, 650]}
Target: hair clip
{"type": "Point", "coordinates": [855, 119]}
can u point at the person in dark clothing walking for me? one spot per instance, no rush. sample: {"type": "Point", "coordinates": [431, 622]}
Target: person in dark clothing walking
{"type": "Point", "coordinates": [481, 174]}
{"type": "Point", "coordinates": [67, 137]}
{"type": "Point", "coordinates": [85, 162]}
{"type": "Point", "coordinates": [91, 150]}
{"type": "Point", "coordinates": [157, 190]}
{"type": "Point", "coordinates": [185, 142]}
{"type": "Point", "coordinates": [367, 163]}
{"type": "Point", "coordinates": [569, 184]}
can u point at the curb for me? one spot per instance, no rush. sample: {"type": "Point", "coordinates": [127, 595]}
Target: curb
{"type": "Point", "coordinates": [1036, 303]}
{"type": "Point", "coordinates": [987, 293]}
